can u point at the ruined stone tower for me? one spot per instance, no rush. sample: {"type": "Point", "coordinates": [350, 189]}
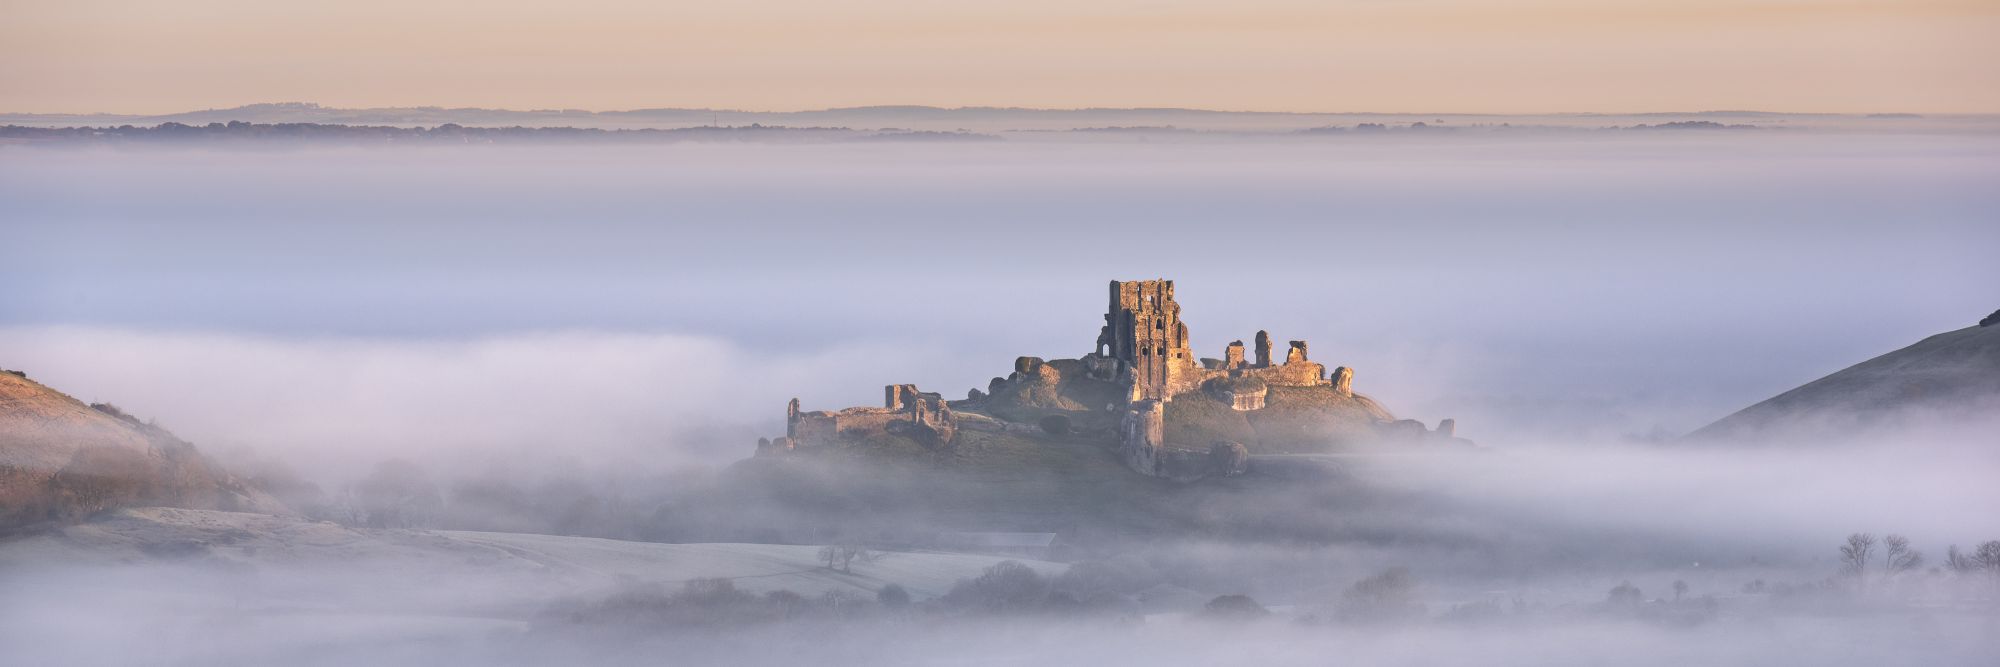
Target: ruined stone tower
{"type": "Point", "coordinates": [1143, 330]}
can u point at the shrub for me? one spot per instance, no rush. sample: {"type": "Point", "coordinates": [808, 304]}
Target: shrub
{"type": "Point", "coordinates": [1624, 595]}
{"type": "Point", "coordinates": [1055, 425]}
{"type": "Point", "coordinates": [1007, 587]}
{"type": "Point", "coordinates": [1484, 611]}
{"type": "Point", "coordinates": [702, 603]}
{"type": "Point", "coordinates": [893, 596]}
{"type": "Point", "coordinates": [1389, 595]}
{"type": "Point", "coordinates": [1098, 582]}
{"type": "Point", "coordinates": [1234, 607]}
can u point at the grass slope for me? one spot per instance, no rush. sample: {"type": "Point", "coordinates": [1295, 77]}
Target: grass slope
{"type": "Point", "coordinates": [1949, 375]}
{"type": "Point", "coordinates": [1294, 420]}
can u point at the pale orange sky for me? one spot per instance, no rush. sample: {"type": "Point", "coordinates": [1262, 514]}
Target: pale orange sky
{"type": "Point", "coordinates": [1333, 55]}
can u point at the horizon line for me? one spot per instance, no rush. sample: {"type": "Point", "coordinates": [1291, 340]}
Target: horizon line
{"type": "Point", "coordinates": [866, 107]}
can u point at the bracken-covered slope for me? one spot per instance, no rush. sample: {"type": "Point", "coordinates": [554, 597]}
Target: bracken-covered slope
{"type": "Point", "coordinates": [63, 459]}
{"type": "Point", "coordinates": [1946, 378]}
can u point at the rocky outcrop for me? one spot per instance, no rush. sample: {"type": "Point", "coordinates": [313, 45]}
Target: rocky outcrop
{"type": "Point", "coordinates": [1037, 388]}
{"type": "Point", "coordinates": [1228, 459]}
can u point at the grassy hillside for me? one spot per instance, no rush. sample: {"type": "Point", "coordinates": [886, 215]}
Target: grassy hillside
{"type": "Point", "coordinates": [1293, 420]}
{"type": "Point", "coordinates": [61, 459]}
{"type": "Point", "coordinates": [1947, 378]}
{"type": "Point", "coordinates": [987, 480]}
{"type": "Point", "coordinates": [41, 429]}
{"type": "Point", "coordinates": [1003, 473]}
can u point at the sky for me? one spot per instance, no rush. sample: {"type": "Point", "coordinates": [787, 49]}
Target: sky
{"type": "Point", "coordinates": [1926, 56]}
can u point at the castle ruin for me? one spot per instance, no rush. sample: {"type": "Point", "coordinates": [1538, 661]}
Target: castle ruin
{"type": "Point", "coordinates": [1144, 344]}
{"type": "Point", "coordinates": [925, 416]}
{"type": "Point", "coordinates": [1141, 363]}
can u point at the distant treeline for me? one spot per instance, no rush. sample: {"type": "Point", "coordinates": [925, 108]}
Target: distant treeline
{"type": "Point", "coordinates": [1367, 128]}
{"type": "Point", "coordinates": [452, 133]}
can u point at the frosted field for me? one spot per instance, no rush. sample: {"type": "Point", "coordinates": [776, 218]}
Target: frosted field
{"type": "Point", "coordinates": [164, 582]}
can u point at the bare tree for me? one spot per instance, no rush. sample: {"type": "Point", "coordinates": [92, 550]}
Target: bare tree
{"type": "Point", "coordinates": [843, 555]}
{"type": "Point", "coordinates": [1988, 557]}
{"type": "Point", "coordinates": [1983, 562]}
{"type": "Point", "coordinates": [830, 554]}
{"type": "Point", "coordinates": [1390, 595]}
{"type": "Point", "coordinates": [849, 552]}
{"type": "Point", "coordinates": [1958, 562]}
{"type": "Point", "coordinates": [1680, 589]}
{"type": "Point", "coordinates": [1898, 557]}
{"type": "Point", "coordinates": [1855, 555]}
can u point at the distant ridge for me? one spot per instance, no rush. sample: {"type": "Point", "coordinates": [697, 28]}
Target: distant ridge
{"type": "Point", "coordinates": [916, 117]}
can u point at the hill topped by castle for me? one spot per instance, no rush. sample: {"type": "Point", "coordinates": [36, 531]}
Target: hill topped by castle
{"type": "Point", "coordinates": [1141, 393]}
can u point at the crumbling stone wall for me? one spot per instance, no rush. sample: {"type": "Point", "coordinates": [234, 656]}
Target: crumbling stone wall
{"type": "Point", "coordinates": [1143, 434]}
{"type": "Point", "coordinates": [1297, 371]}
{"type": "Point", "coordinates": [924, 416]}
{"type": "Point", "coordinates": [1144, 344]}
{"type": "Point", "coordinates": [1232, 356]}
{"type": "Point", "coordinates": [1145, 451]}
{"type": "Point", "coordinates": [1242, 393]}
{"type": "Point", "coordinates": [897, 396]}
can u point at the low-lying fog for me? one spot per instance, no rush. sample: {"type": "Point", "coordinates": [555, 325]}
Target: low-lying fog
{"type": "Point", "coordinates": [621, 321]}
{"type": "Point", "coordinates": [1504, 558]}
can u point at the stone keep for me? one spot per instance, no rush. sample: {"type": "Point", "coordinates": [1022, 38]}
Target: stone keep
{"type": "Point", "coordinates": [1143, 331]}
